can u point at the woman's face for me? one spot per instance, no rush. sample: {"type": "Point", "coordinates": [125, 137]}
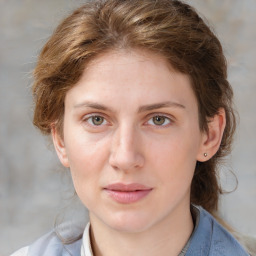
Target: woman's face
{"type": "Point", "coordinates": [131, 140]}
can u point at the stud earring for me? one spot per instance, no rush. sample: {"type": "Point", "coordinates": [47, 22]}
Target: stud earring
{"type": "Point", "coordinates": [205, 155]}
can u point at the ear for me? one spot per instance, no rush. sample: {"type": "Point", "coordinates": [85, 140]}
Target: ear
{"type": "Point", "coordinates": [211, 140]}
{"type": "Point", "coordinates": [59, 145]}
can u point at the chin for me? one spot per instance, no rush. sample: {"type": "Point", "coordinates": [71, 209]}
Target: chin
{"type": "Point", "coordinates": [129, 222]}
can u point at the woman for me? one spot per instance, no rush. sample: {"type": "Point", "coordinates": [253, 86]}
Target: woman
{"type": "Point", "coordinates": [136, 98]}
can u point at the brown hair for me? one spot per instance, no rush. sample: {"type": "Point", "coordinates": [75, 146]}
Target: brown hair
{"type": "Point", "coordinates": [167, 27]}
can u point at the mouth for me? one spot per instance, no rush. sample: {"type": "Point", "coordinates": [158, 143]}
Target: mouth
{"type": "Point", "coordinates": [127, 193]}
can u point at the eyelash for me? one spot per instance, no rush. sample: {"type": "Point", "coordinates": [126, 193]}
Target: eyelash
{"type": "Point", "coordinates": [150, 118]}
{"type": "Point", "coordinates": [166, 119]}
{"type": "Point", "coordinates": [90, 117]}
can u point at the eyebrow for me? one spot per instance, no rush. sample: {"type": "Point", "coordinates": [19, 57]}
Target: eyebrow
{"type": "Point", "coordinates": [89, 104]}
{"type": "Point", "coordinates": [144, 108]}
{"type": "Point", "coordinates": [160, 105]}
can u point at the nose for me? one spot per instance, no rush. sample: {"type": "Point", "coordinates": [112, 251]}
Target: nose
{"type": "Point", "coordinates": [126, 154]}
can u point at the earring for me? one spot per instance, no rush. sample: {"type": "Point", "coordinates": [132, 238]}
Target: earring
{"type": "Point", "coordinates": [205, 155]}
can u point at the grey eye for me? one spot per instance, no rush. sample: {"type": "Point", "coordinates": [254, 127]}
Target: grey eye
{"type": "Point", "coordinates": [159, 120]}
{"type": "Point", "coordinates": [97, 120]}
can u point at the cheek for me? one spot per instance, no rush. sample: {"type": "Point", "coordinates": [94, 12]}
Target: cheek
{"type": "Point", "coordinates": [87, 162]}
{"type": "Point", "coordinates": [85, 150]}
{"type": "Point", "coordinates": [87, 159]}
{"type": "Point", "coordinates": [174, 170]}
{"type": "Point", "coordinates": [175, 158]}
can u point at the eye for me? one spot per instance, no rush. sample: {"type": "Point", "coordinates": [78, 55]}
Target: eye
{"type": "Point", "coordinates": [96, 120]}
{"type": "Point", "coordinates": [159, 120]}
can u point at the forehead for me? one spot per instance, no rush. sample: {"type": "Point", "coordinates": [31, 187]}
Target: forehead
{"type": "Point", "coordinates": [132, 76]}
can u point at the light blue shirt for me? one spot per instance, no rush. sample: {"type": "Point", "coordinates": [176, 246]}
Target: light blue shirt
{"type": "Point", "coordinates": [208, 239]}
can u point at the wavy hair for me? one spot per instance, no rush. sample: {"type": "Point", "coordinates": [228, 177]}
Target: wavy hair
{"type": "Point", "coordinates": [170, 28]}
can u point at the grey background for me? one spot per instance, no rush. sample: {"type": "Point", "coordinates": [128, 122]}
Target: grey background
{"type": "Point", "coordinates": [33, 186]}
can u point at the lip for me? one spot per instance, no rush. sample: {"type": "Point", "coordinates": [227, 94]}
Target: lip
{"type": "Point", "coordinates": [127, 193]}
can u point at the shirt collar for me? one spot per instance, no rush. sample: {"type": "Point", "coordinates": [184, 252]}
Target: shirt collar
{"type": "Point", "coordinates": [200, 240]}
{"type": "Point", "coordinates": [86, 249]}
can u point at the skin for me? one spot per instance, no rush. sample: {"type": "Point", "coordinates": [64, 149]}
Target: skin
{"type": "Point", "coordinates": [132, 119]}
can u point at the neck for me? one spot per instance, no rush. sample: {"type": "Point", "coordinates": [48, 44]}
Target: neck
{"type": "Point", "coordinates": [167, 238]}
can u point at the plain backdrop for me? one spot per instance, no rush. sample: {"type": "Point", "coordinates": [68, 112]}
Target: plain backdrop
{"type": "Point", "coordinates": [34, 188]}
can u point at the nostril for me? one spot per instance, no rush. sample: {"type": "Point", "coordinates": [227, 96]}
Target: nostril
{"type": "Point", "coordinates": [126, 161]}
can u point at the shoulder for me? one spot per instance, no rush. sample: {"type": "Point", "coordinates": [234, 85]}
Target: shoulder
{"type": "Point", "coordinates": [210, 238]}
{"type": "Point", "coordinates": [223, 242]}
{"type": "Point", "coordinates": [21, 252]}
{"type": "Point", "coordinates": [61, 243]}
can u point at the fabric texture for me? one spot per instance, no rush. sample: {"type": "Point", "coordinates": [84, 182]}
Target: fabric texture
{"type": "Point", "coordinates": [21, 252]}
{"type": "Point", "coordinates": [208, 239]}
